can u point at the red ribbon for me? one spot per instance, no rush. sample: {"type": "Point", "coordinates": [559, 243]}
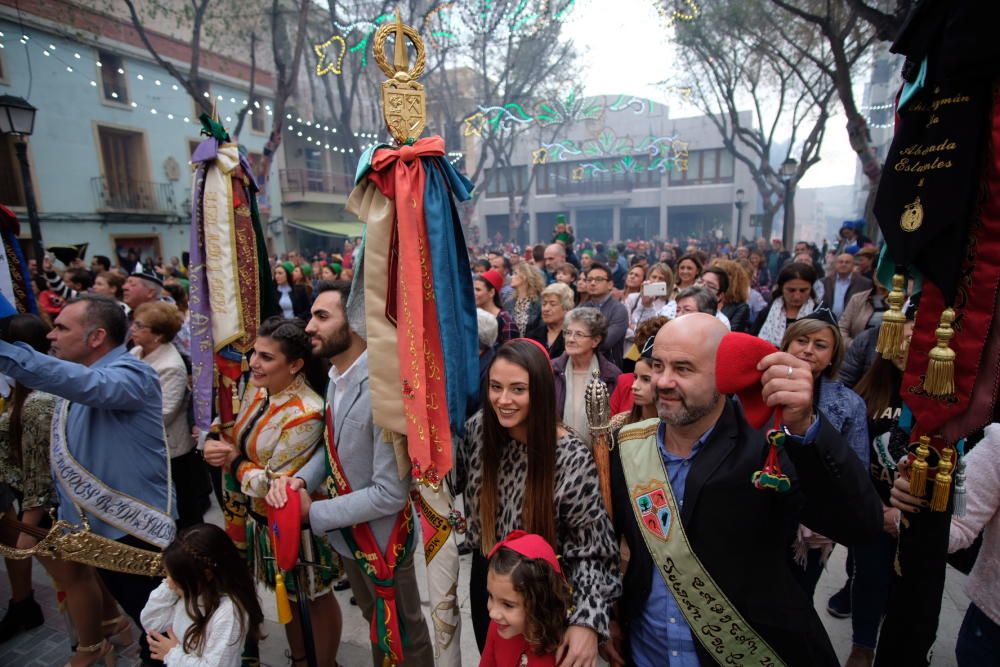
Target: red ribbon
{"type": "Point", "coordinates": [385, 628]}
{"type": "Point", "coordinates": [399, 175]}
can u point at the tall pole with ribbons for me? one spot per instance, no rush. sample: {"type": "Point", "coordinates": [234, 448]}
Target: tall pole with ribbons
{"type": "Point", "coordinates": [412, 300]}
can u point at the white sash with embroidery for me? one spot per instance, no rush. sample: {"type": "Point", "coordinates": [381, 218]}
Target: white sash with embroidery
{"type": "Point", "coordinates": [90, 494]}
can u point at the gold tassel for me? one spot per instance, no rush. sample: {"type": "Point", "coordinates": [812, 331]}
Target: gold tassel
{"type": "Point", "coordinates": [890, 334]}
{"type": "Point", "coordinates": [940, 378]}
{"type": "Point", "coordinates": [918, 469]}
{"type": "Point", "coordinates": [942, 482]}
{"type": "Point", "coordinates": [281, 598]}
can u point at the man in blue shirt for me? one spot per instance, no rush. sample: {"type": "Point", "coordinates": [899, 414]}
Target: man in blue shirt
{"type": "Point", "coordinates": [109, 455]}
{"type": "Point", "coordinates": [739, 534]}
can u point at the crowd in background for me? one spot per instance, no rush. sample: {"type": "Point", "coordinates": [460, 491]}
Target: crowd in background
{"type": "Point", "coordinates": [579, 309]}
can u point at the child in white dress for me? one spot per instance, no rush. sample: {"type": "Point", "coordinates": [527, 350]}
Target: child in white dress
{"type": "Point", "coordinates": [203, 612]}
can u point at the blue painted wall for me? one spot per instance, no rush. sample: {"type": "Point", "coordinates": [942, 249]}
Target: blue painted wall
{"type": "Point", "coordinates": [64, 149]}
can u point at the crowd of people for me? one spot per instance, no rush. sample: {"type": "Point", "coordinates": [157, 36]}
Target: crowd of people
{"type": "Point", "coordinates": [99, 392]}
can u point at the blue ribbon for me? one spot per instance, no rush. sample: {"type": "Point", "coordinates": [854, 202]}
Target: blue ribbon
{"type": "Point", "coordinates": [452, 285]}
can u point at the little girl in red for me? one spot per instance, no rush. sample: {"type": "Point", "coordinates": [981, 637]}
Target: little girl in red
{"type": "Point", "coordinates": [528, 602]}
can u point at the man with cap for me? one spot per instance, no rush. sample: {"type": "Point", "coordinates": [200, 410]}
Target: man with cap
{"type": "Point", "coordinates": [370, 500]}
{"type": "Point", "coordinates": [852, 238]}
{"type": "Point", "coordinates": [142, 287]}
{"type": "Point", "coordinates": [108, 453]}
{"type": "Point", "coordinates": [708, 580]}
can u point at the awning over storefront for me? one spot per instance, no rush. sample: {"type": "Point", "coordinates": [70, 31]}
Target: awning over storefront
{"type": "Point", "coordinates": [341, 229]}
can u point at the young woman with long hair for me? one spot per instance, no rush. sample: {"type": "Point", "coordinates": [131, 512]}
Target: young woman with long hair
{"type": "Point", "coordinates": [520, 469]}
{"type": "Point", "coordinates": [866, 592]}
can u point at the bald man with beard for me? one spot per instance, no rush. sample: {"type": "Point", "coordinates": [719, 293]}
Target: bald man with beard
{"type": "Point", "coordinates": [721, 542]}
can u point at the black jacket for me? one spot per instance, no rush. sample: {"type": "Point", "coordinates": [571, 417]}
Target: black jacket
{"type": "Point", "coordinates": [541, 334]}
{"type": "Point", "coordinates": [301, 301]}
{"type": "Point", "coordinates": [742, 536]}
{"type": "Point", "coordinates": [739, 316]}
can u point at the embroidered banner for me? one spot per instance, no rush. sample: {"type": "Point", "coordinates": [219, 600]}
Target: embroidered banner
{"type": "Point", "coordinates": [110, 506]}
{"type": "Point", "coordinates": [713, 619]}
{"type": "Point", "coordinates": [434, 507]}
{"type": "Point", "coordinates": [219, 239]}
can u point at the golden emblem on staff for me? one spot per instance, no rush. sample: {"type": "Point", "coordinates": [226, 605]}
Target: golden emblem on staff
{"type": "Point", "coordinates": [598, 407]}
{"type": "Point", "coordinates": [404, 104]}
{"type": "Point", "coordinates": [79, 545]}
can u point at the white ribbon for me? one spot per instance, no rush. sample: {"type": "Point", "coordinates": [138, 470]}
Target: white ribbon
{"type": "Point", "coordinates": [113, 507]}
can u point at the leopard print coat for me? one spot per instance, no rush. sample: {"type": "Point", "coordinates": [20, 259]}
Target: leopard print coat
{"type": "Point", "coordinates": [586, 543]}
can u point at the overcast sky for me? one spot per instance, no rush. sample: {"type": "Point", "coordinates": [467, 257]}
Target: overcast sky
{"type": "Point", "coordinates": [624, 50]}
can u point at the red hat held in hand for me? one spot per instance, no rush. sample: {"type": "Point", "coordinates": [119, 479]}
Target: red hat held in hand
{"type": "Point", "coordinates": [736, 373]}
{"type": "Point", "coordinates": [285, 524]}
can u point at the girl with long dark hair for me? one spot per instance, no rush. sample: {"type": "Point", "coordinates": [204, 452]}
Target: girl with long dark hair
{"type": "Point", "coordinates": [520, 469]}
{"type": "Point", "coordinates": [207, 606]}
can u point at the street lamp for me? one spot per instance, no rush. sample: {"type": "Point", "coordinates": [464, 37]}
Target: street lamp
{"type": "Point", "coordinates": [739, 204]}
{"type": "Point", "coordinates": [788, 169]}
{"type": "Point", "coordinates": [17, 119]}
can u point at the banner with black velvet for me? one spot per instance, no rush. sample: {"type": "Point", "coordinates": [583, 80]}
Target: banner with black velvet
{"type": "Point", "coordinates": [974, 303]}
{"type": "Point", "coordinates": [908, 631]}
{"type": "Point", "coordinates": [931, 179]}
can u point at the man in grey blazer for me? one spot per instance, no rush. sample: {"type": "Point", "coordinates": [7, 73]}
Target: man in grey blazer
{"type": "Point", "coordinates": [378, 495]}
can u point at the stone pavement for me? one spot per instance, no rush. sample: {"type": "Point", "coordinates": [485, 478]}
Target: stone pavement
{"type": "Point", "coordinates": [48, 645]}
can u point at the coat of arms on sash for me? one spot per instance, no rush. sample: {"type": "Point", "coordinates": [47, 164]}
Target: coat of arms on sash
{"type": "Point", "coordinates": [654, 509]}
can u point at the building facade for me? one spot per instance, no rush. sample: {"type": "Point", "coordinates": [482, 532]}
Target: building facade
{"type": "Point", "coordinates": [114, 132]}
{"type": "Point", "coordinates": [625, 171]}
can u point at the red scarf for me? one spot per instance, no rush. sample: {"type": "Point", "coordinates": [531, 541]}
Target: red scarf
{"type": "Point", "coordinates": [399, 175]}
{"type": "Point", "coordinates": [386, 631]}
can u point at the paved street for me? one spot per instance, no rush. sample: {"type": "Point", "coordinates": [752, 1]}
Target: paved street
{"type": "Point", "coordinates": [48, 645]}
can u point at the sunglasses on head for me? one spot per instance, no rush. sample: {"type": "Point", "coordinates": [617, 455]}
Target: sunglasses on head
{"type": "Point", "coordinates": [823, 314]}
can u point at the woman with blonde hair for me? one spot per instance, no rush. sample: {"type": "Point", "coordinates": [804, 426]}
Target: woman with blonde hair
{"type": "Point", "coordinates": [155, 324]}
{"type": "Point", "coordinates": [525, 305]}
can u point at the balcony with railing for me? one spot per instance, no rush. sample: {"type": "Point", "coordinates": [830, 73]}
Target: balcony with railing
{"type": "Point", "coordinates": [311, 185]}
{"type": "Point", "coordinates": [128, 195]}
{"type": "Point", "coordinates": [598, 184]}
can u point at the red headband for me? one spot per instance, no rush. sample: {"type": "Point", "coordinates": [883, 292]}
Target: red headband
{"type": "Point", "coordinates": [536, 344]}
{"type": "Point", "coordinates": [529, 545]}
